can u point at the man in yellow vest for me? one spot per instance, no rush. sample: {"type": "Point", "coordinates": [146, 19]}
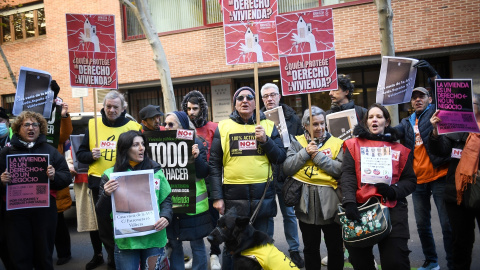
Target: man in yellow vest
{"type": "Point", "coordinates": [243, 150]}
{"type": "Point", "coordinates": [110, 125]}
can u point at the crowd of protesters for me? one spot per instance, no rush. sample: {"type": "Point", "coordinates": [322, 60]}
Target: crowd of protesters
{"type": "Point", "coordinates": [229, 176]}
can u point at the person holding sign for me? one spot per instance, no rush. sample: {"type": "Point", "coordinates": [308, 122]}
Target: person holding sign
{"type": "Point", "coordinates": [342, 98]}
{"type": "Point", "coordinates": [431, 171]}
{"type": "Point", "coordinates": [463, 149]}
{"type": "Point", "coordinates": [376, 132]}
{"type": "Point", "coordinates": [131, 252]}
{"type": "Point", "coordinates": [316, 161]}
{"type": "Point", "coordinates": [31, 231]}
{"type": "Point", "coordinates": [241, 155]}
{"type": "Point", "coordinates": [191, 227]}
{"type": "Point", "coordinates": [101, 157]}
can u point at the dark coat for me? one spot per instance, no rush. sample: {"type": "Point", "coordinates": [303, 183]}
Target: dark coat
{"type": "Point", "coordinates": [359, 111]}
{"type": "Point", "coordinates": [404, 187]}
{"type": "Point", "coordinates": [245, 197]}
{"type": "Point", "coordinates": [442, 146]}
{"type": "Point", "coordinates": [405, 131]}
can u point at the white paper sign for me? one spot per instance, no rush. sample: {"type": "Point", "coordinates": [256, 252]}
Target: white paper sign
{"type": "Point", "coordinates": [376, 165]}
{"type": "Point", "coordinates": [276, 115]}
{"type": "Point", "coordinates": [341, 124]}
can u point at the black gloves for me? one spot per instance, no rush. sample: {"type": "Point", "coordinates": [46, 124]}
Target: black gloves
{"type": "Point", "coordinates": [426, 67]}
{"type": "Point", "coordinates": [55, 88]}
{"type": "Point", "coordinates": [351, 211]}
{"type": "Point", "coordinates": [386, 191]}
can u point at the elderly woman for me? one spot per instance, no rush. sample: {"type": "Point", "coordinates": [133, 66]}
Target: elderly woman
{"type": "Point", "coordinates": [31, 231]}
{"type": "Point", "coordinates": [375, 131]}
{"type": "Point", "coordinates": [195, 226]}
{"type": "Point", "coordinates": [131, 252]}
{"type": "Point", "coordinates": [316, 160]}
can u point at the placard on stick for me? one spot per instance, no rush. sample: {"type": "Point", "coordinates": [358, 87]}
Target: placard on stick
{"type": "Point", "coordinates": [33, 92]}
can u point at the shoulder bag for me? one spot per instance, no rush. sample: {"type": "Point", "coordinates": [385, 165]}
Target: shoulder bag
{"type": "Point", "coordinates": [291, 191]}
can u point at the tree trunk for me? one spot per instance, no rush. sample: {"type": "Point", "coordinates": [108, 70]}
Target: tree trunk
{"type": "Point", "coordinates": [5, 60]}
{"type": "Point", "coordinates": [142, 12]}
{"type": "Point", "coordinates": [385, 17]}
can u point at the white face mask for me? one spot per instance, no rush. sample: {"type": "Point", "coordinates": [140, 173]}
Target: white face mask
{"type": "Point", "coordinates": [3, 129]}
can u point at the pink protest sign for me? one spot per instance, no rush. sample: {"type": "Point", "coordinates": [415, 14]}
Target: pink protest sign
{"type": "Point", "coordinates": [92, 51]}
{"type": "Point", "coordinates": [454, 101]}
{"type": "Point", "coordinates": [29, 187]}
{"type": "Point", "coordinates": [307, 52]}
{"type": "Point", "coordinates": [250, 34]}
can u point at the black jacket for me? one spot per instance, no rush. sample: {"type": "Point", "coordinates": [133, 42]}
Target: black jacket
{"type": "Point", "coordinates": [104, 204]}
{"type": "Point", "coordinates": [404, 187]}
{"type": "Point", "coordinates": [405, 131]}
{"type": "Point", "coordinates": [294, 126]}
{"type": "Point", "coordinates": [62, 179]}
{"type": "Point", "coordinates": [245, 197]}
{"type": "Point", "coordinates": [359, 111]}
{"type": "Point", "coordinates": [442, 146]}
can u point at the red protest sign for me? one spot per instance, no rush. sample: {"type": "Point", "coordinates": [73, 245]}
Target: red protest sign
{"type": "Point", "coordinates": [306, 45]}
{"type": "Point", "coordinates": [250, 31]}
{"type": "Point", "coordinates": [92, 51]}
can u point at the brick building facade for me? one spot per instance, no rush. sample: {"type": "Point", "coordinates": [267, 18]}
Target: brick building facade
{"type": "Point", "coordinates": [444, 32]}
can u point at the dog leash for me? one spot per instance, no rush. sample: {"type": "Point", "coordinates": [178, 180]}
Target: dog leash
{"type": "Point", "coordinates": [255, 213]}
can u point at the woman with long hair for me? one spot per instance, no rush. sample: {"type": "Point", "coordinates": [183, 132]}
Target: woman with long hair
{"type": "Point", "coordinates": [373, 133]}
{"type": "Point", "coordinates": [130, 252]}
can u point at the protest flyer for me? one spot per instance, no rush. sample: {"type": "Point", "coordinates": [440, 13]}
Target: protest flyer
{"type": "Point", "coordinates": [33, 92]}
{"type": "Point", "coordinates": [134, 203]}
{"type": "Point", "coordinates": [307, 52]}
{"type": "Point", "coordinates": [276, 116]}
{"type": "Point", "coordinates": [76, 141]}
{"type": "Point", "coordinates": [92, 50]}
{"type": "Point", "coordinates": [341, 124]}
{"type": "Point", "coordinates": [376, 165]}
{"type": "Point", "coordinates": [250, 31]}
{"type": "Point", "coordinates": [172, 149]}
{"type": "Point", "coordinates": [454, 101]}
{"type": "Point", "coordinates": [30, 186]}
{"type": "Point", "coordinates": [396, 80]}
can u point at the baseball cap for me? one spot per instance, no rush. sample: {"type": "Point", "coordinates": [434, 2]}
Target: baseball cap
{"type": "Point", "coordinates": [422, 90]}
{"type": "Point", "coordinates": [150, 111]}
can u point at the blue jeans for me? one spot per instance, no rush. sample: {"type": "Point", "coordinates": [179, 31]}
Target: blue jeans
{"type": "Point", "coordinates": [199, 255]}
{"type": "Point", "coordinates": [260, 224]}
{"type": "Point", "coordinates": [289, 221]}
{"type": "Point", "coordinates": [131, 258]}
{"type": "Point", "coordinates": [421, 205]}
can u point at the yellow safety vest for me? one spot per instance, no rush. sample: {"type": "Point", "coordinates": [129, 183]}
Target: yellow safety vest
{"type": "Point", "coordinates": [310, 173]}
{"type": "Point", "coordinates": [269, 257]}
{"type": "Point", "coordinates": [107, 140]}
{"type": "Point", "coordinates": [244, 160]}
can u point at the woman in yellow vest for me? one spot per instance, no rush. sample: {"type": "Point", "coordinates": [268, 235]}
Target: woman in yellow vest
{"type": "Point", "coordinates": [317, 162]}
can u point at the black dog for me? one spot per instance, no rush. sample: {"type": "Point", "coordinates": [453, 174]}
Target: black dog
{"type": "Point", "coordinates": [251, 249]}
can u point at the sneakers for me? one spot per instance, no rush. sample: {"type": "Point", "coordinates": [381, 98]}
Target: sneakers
{"type": "Point", "coordinates": [297, 259]}
{"type": "Point", "coordinates": [188, 263]}
{"type": "Point", "coordinates": [215, 263]}
{"type": "Point", "coordinates": [96, 261]}
{"type": "Point", "coordinates": [429, 265]}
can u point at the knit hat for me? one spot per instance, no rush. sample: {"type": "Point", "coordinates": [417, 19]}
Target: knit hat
{"type": "Point", "coordinates": [240, 90]}
{"type": "Point", "coordinates": [183, 118]}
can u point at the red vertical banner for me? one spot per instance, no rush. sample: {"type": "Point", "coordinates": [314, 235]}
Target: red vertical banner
{"type": "Point", "coordinates": [92, 51]}
{"type": "Point", "coordinates": [250, 34]}
{"type": "Point", "coordinates": [307, 52]}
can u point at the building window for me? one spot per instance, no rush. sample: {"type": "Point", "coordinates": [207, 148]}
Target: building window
{"type": "Point", "coordinates": [7, 102]}
{"type": "Point", "coordinates": [168, 17]}
{"type": "Point", "coordinates": [22, 23]}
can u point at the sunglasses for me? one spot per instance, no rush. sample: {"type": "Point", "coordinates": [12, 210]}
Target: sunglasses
{"type": "Point", "coordinates": [249, 98]}
{"type": "Point", "coordinates": [170, 125]}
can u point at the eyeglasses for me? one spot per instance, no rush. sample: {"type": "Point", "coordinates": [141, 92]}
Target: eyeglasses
{"type": "Point", "coordinates": [249, 98]}
{"type": "Point", "coordinates": [34, 125]}
{"type": "Point", "coordinates": [272, 95]}
{"type": "Point", "coordinates": [170, 125]}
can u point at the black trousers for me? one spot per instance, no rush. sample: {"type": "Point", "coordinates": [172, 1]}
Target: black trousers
{"type": "Point", "coordinates": [462, 221]}
{"type": "Point", "coordinates": [312, 237]}
{"type": "Point", "coordinates": [62, 238]}
{"type": "Point", "coordinates": [393, 255]}
{"type": "Point", "coordinates": [214, 216]}
{"type": "Point", "coordinates": [104, 234]}
{"type": "Point", "coordinates": [31, 236]}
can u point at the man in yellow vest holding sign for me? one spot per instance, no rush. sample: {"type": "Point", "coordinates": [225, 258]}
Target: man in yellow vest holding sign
{"type": "Point", "coordinates": [243, 150]}
{"type": "Point", "coordinates": [110, 125]}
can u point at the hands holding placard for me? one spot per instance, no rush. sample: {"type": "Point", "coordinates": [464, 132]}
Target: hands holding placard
{"type": "Point", "coordinates": [6, 178]}
{"type": "Point", "coordinates": [434, 120]}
